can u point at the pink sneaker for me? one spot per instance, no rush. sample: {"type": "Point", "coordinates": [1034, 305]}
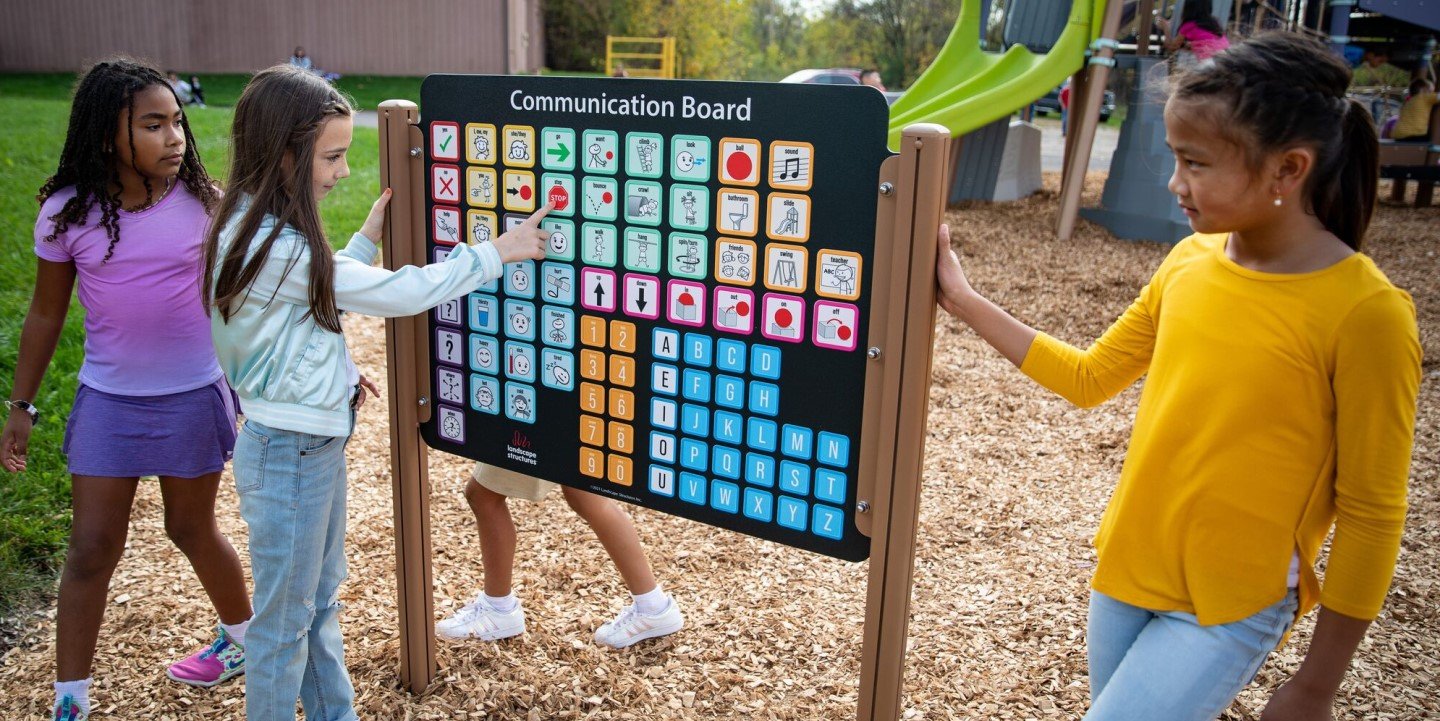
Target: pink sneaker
{"type": "Point", "coordinates": [210, 666]}
{"type": "Point", "coordinates": [66, 709]}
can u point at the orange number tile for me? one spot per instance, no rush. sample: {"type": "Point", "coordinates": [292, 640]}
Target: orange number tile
{"type": "Point", "coordinates": [622, 404]}
{"type": "Point", "coordinates": [592, 398]}
{"type": "Point", "coordinates": [592, 330]}
{"type": "Point", "coordinates": [622, 336]}
{"type": "Point", "coordinates": [622, 371]}
{"type": "Point", "coordinates": [592, 463]}
{"type": "Point", "coordinates": [592, 365]}
{"type": "Point", "coordinates": [622, 438]}
{"type": "Point", "coordinates": [620, 469]}
{"type": "Point", "coordinates": [592, 431]}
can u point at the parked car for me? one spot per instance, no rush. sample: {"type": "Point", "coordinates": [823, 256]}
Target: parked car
{"type": "Point", "coordinates": [1051, 104]}
{"type": "Point", "coordinates": [835, 76]}
{"type": "Point", "coordinates": [830, 76]}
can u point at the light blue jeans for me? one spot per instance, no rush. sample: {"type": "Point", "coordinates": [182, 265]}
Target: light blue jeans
{"type": "Point", "coordinates": [292, 496]}
{"type": "Point", "coordinates": [1146, 665]}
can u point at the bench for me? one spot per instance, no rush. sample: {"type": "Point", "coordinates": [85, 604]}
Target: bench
{"type": "Point", "coordinates": [1413, 159]}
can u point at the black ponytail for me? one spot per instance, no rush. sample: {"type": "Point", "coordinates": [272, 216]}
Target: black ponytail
{"type": "Point", "coordinates": [1280, 90]}
{"type": "Point", "coordinates": [1345, 201]}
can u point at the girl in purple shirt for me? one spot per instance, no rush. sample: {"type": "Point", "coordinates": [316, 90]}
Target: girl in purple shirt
{"type": "Point", "coordinates": [125, 214]}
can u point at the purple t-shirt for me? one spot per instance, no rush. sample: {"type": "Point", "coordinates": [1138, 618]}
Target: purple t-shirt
{"type": "Point", "coordinates": [145, 331]}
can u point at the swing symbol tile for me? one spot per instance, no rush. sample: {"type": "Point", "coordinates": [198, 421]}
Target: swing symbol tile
{"type": "Point", "coordinates": [785, 267]}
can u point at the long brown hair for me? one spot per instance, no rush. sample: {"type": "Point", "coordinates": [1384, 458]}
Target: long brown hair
{"type": "Point", "coordinates": [1280, 90]}
{"type": "Point", "coordinates": [90, 160]}
{"type": "Point", "coordinates": [277, 123]}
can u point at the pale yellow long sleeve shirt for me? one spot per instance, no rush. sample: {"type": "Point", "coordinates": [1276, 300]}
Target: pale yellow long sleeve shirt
{"type": "Point", "coordinates": [1276, 405]}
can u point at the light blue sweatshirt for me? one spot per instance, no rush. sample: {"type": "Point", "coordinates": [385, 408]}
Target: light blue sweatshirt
{"type": "Point", "coordinates": [294, 375]}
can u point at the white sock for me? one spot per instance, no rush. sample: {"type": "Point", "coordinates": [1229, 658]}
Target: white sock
{"type": "Point", "coordinates": [236, 632]}
{"type": "Point", "coordinates": [651, 603]}
{"type": "Point", "coordinates": [503, 604]}
{"type": "Point", "coordinates": [78, 690]}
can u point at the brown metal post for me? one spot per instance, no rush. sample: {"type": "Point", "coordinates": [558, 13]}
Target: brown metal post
{"type": "Point", "coordinates": [1146, 15]}
{"type": "Point", "coordinates": [1076, 111]}
{"type": "Point", "coordinates": [1084, 126]}
{"type": "Point", "coordinates": [401, 170]}
{"type": "Point", "coordinates": [902, 332]}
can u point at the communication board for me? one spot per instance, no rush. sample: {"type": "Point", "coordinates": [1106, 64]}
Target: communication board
{"type": "Point", "coordinates": [692, 341]}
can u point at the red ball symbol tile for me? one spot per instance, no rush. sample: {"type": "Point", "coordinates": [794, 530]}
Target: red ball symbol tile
{"type": "Point", "coordinates": [525, 192]}
{"type": "Point", "coordinates": [738, 165]}
{"type": "Point", "coordinates": [784, 318]}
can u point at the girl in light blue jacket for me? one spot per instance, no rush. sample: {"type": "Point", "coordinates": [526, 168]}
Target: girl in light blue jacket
{"type": "Point", "coordinates": [275, 291]}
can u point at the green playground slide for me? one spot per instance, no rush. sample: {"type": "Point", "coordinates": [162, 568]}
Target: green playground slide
{"type": "Point", "coordinates": [965, 87]}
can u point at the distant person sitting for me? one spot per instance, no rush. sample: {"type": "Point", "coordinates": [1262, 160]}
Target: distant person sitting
{"type": "Point", "coordinates": [300, 60]}
{"type": "Point", "coordinates": [1198, 36]}
{"type": "Point", "coordinates": [303, 61]}
{"type": "Point", "coordinates": [196, 91]}
{"type": "Point", "coordinates": [1376, 71]}
{"type": "Point", "coordinates": [1414, 119]}
{"type": "Point", "coordinates": [184, 91]}
{"type": "Point", "coordinates": [619, 71]}
{"type": "Point", "coordinates": [871, 77]}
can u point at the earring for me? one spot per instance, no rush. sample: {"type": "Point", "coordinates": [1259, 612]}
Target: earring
{"type": "Point", "coordinates": [1279, 201]}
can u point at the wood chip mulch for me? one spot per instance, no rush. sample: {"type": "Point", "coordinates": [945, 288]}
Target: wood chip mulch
{"type": "Point", "coordinates": [1016, 480]}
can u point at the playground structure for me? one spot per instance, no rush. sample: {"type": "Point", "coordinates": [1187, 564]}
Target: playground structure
{"type": "Point", "coordinates": [642, 57]}
{"type": "Point", "coordinates": [966, 88]}
{"type": "Point", "coordinates": [974, 93]}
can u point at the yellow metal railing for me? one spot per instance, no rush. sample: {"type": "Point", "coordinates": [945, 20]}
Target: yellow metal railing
{"type": "Point", "coordinates": [641, 57]}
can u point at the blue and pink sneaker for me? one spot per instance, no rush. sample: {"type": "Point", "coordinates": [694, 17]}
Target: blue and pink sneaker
{"type": "Point", "coordinates": [66, 709]}
{"type": "Point", "coordinates": [210, 666]}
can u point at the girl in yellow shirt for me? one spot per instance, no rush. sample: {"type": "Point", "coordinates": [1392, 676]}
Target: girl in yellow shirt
{"type": "Point", "coordinates": [1283, 369]}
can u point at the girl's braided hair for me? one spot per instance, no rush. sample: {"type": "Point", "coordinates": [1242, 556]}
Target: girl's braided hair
{"type": "Point", "coordinates": [89, 160]}
{"type": "Point", "coordinates": [1278, 91]}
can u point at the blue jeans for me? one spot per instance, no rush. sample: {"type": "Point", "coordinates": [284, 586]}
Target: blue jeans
{"type": "Point", "coordinates": [292, 496]}
{"type": "Point", "coordinates": [1147, 665]}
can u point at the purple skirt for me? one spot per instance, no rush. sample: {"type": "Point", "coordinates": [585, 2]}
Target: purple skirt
{"type": "Point", "coordinates": [183, 435]}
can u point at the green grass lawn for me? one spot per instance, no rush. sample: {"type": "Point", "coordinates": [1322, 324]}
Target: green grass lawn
{"type": "Point", "coordinates": [368, 91]}
{"type": "Point", "coordinates": [34, 109]}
